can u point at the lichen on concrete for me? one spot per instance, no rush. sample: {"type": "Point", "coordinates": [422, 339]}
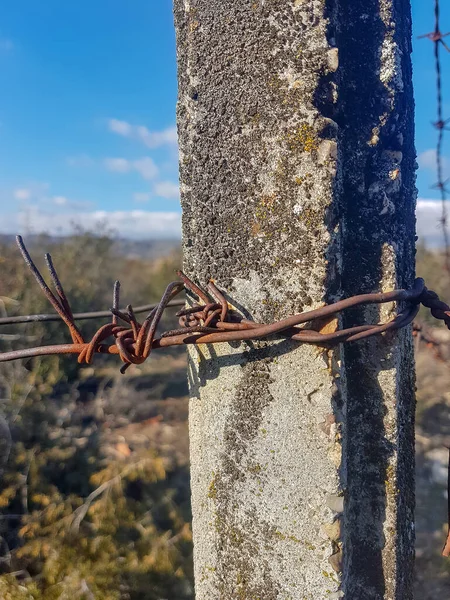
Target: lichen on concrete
{"type": "Point", "coordinates": [264, 513]}
{"type": "Point", "coordinates": [296, 191]}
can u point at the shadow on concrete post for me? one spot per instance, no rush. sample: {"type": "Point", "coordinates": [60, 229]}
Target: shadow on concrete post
{"type": "Point", "coordinates": [376, 195]}
{"type": "Point", "coordinates": [297, 187]}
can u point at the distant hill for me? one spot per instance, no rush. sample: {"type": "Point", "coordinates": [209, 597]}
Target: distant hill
{"type": "Point", "coordinates": [146, 249]}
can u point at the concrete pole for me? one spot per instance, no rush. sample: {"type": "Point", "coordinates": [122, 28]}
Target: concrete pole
{"type": "Point", "coordinates": [295, 122]}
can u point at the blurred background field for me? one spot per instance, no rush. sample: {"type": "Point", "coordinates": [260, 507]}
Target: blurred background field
{"type": "Point", "coordinates": [94, 497]}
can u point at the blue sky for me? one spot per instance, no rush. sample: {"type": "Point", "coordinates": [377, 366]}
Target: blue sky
{"type": "Point", "coordinates": [87, 115]}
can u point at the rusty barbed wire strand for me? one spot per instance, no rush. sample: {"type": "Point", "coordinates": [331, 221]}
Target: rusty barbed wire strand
{"type": "Point", "coordinates": [437, 37]}
{"type": "Point", "coordinates": [212, 319]}
{"type": "Point", "coordinates": [84, 316]}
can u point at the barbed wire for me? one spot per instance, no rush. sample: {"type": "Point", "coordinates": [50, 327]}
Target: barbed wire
{"type": "Point", "coordinates": [212, 319]}
{"type": "Point", "coordinates": [84, 316]}
{"type": "Point", "coordinates": [441, 125]}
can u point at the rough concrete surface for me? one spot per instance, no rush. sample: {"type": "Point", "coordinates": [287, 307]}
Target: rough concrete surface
{"type": "Point", "coordinates": [297, 188]}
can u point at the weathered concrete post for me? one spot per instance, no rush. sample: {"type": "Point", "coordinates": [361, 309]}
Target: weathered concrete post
{"type": "Point", "coordinates": [295, 121]}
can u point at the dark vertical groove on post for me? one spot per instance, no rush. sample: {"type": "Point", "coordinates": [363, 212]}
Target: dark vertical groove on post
{"type": "Point", "coordinates": [377, 197]}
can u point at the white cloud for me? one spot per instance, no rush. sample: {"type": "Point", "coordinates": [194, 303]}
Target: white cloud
{"type": "Point", "coordinates": [144, 166]}
{"type": "Point", "coordinates": [118, 165]}
{"type": "Point", "coordinates": [34, 190]}
{"type": "Point", "coordinates": [167, 189]}
{"type": "Point", "coordinates": [120, 127]}
{"type": "Point", "coordinates": [60, 200]}
{"type": "Point", "coordinates": [136, 224]}
{"type": "Point", "coordinates": [82, 160]}
{"type": "Point", "coordinates": [37, 194]}
{"type": "Point", "coordinates": [429, 229]}
{"type": "Point", "coordinates": [427, 160]}
{"type": "Point", "coordinates": [152, 139]}
{"type": "Point", "coordinates": [141, 197]}
{"type": "Point", "coordinates": [140, 224]}
{"type": "Point", "coordinates": [22, 194]}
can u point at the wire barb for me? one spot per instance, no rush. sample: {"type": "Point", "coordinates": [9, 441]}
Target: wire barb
{"type": "Point", "coordinates": [116, 302]}
{"type": "Point", "coordinates": [61, 305]}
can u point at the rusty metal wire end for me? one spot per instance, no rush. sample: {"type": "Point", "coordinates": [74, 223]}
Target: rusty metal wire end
{"type": "Point", "coordinates": [61, 305]}
{"type": "Point", "coordinates": [192, 287]}
{"type": "Point", "coordinates": [116, 301]}
{"type": "Point", "coordinates": [217, 294]}
{"type": "Point", "coordinates": [58, 285]}
{"type": "Point", "coordinates": [172, 290]}
{"type": "Point", "coordinates": [132, 320]}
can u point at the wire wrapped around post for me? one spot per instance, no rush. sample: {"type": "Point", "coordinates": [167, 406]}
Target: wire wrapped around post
{"type": "Point", "coordinates": [210, 320]}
